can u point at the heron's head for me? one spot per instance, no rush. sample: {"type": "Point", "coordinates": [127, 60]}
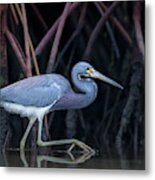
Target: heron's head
{"type": "Point", "coordinates": [86, 72]}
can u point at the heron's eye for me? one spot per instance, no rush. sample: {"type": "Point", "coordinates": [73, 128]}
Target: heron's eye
{"type": "Point", "coordinates": [89, 70]}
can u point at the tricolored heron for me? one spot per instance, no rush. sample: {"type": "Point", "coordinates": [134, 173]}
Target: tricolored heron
{"type": "Point", "coordinates": [36, 96]}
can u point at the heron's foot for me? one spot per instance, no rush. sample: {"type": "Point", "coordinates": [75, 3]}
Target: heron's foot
{"type": "Point", "coordinates": [72, 142]}
{"type": "Point", "coordinates": [81, 145]}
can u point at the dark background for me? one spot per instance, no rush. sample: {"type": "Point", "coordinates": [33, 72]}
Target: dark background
{"type": "Point", "coordinates": [114, 123]}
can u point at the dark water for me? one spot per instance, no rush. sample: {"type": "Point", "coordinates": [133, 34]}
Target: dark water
{"type": "Point", "coordinates": [58, 159]}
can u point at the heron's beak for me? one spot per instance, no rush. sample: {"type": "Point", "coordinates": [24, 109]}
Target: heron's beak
{"type": "Point", "coordinates": [98, 75]}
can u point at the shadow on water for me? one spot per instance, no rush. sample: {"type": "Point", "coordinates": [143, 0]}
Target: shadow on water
{"type": "Point", "coordinates": [47, 158]}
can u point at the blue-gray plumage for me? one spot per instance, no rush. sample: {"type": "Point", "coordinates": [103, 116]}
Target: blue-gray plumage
{"type": "Point", "coordinates": [38, 91]}
{"type": "Point", "coordinates": [36, 96]}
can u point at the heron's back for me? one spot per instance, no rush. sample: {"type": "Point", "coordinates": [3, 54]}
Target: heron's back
{"type": "Point", "coordinates": [37, 91]}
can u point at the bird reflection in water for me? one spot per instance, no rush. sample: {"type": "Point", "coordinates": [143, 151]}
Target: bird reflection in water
{"type": "Point", "coordinates": [58, 157]}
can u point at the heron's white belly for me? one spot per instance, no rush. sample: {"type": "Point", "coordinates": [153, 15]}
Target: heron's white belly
{"type": "Point", "coordinates": [25, 111]}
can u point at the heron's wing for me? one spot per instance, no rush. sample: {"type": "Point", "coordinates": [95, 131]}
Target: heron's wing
{"type": "Point", "coordinates": [38, 93]}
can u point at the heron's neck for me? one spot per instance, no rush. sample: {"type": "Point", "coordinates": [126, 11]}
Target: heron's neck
{"type": "Point", "coordinates": [88, 92]}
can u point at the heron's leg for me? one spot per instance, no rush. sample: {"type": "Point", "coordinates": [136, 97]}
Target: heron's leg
{"type": "Point", "coordinates": [23, 141]}
{"type": "Point", "coordinates": [71, 142]}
